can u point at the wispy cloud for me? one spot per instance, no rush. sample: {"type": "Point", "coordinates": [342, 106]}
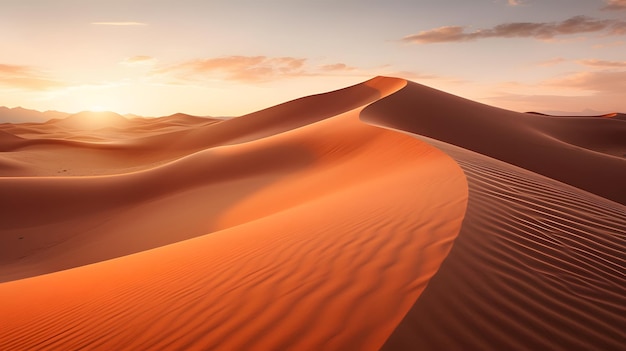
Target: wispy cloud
{"type": "Point", "coordinates": [262, 69]}
{"type": "Point", "coordinates": [615, 5]}
{"type": "Point", "coordinates": [119, 23]}
{"type": "Point", "coordinates": [608, 81]}
{"type": "Point", "coordinates": [602, 63]}
{"type": "Point", "coordinates": [337, 67]}
{"type": "Point", "coordinates": [139, 60]}
{"type": "Point", "coordinates": [25, 78]}
{"type": "Point", "coordinates": [515, 2]}
{"type": "Point", "coordinates": [238, 68]}
{"type": "Point", "coordinates": [583, 104]}
{"type": "Point", "coordinates": [536, 30]}
{"type": "Point", "coordinates": [551, 62]}
{"type": "Point", "coordinates": [609, 45]}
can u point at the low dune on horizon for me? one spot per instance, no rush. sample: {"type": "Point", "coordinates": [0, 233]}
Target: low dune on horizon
{"type": "Point", "coordinates": [386, 215]}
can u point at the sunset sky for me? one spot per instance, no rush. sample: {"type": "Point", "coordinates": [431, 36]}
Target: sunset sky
{"type": "Point", "coordinates": [227, 58]}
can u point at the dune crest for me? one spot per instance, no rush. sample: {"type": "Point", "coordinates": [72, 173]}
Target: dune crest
{"type": "Point", "coordinates": [588, 153]}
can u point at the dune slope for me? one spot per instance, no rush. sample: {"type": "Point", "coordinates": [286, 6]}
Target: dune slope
{"type": "Point", "coordinates": [538, 265]}
{"type": "Point", "coordinates": [587, 153]}
{"type": "Point", "coordinates": [335, 270]}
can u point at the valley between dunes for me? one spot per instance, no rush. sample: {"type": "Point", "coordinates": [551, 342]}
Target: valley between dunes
{"type": "Point", "coordinates": [386, 215]}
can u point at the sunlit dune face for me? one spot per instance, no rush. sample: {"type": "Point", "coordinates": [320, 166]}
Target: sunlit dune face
{"type": "Point", "coordinates": [90, 120]}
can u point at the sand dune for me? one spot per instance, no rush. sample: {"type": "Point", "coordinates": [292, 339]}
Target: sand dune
{"type": "Point", "coordinates": [539, 263]}
{"type": "Point", "coordinates": [587, 153]}
{"type": "Point", "coordinates": [345, 220]}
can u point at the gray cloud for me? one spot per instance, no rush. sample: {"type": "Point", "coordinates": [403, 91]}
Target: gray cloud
{"type": "Point", "coordinates": [536, 30]}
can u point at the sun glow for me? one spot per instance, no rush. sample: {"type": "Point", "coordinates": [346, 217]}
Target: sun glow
{"type": "Point", "coordinates": [97, 108]}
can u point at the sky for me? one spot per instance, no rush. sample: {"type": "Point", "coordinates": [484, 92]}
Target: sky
{"type": "Point", "coordinates": [230, 57]}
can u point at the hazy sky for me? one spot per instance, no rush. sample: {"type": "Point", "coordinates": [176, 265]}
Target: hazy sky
{"type": "Point", "coordinates": [206, 57]}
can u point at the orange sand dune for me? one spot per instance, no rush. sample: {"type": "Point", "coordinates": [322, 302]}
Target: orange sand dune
{"type": "Point", "coordinates": [302, 250]}
{"type": "Point", "coordinates": [340, 221]}
{"type": "Point", "coordinates": [141, 144]}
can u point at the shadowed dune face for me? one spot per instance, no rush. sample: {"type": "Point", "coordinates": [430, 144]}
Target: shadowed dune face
{"type": "Point", "coordinates": [584, 152]}
{"type": "Point", "coordinates": [302, 227]}
{"type": "Point", "coordinates": [539, 265]}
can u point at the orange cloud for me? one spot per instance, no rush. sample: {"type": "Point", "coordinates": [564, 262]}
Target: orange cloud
{"type": "Point", "coordinates": [615, 5]}
{"type": "Point", "coordinates": [551, 62]}
{"type": "Point", "coordinates": [139, 60]}
{"type": "Point", "coordinates": [609, 45]}
{"type": "Point", "coordinates": [119, 23]}
{"type": "Point", "coordinates": [25, 78]}
{"type": "Point", "coordinates": [608, 82]}
{"type": "Point", "coordinates": [252, 69]}
{"type": "Point", "coordinates": [337, 67]}
{"type": "Point", "coordinates": [538, 30]}
{"type": "Point", "coordinates": [602, 63]}
{"type": "Point", "coordinates": [261, 69]}
{"type": "Point", "coordinates": [238, 68]}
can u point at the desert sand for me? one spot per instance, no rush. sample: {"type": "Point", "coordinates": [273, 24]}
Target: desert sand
{"type": "Point", "coordinates": [386, 215]}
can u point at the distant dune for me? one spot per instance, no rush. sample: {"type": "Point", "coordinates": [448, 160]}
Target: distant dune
{"type": "Point", "coordinates": [386, 215]}
{"type": "Point", "coordinates": [88, 120]}
{"type": "Point", "coordinates": [22, 115]}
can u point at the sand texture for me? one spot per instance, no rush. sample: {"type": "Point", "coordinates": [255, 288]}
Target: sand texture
{"type": "Point", "coordinates": [386, 215]}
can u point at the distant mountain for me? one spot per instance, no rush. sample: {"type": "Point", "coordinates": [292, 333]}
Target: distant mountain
{"type": "Point", "coordinates": [22, 115]}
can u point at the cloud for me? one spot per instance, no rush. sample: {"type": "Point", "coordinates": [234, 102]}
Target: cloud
{"type": "Point", "coordinates": [515, 2]}
{"type": "Point", "coordinates": [609, 45]}
{"type": "Point", "coordinates": [615, 5]}
{"type": "Point", "coordinates": [602, 63]}
{"type": "Point", "coordinates": [261, 69]}
{"type": "Point", "coordinates": [536, 30]}
{"type": "Point", "coordinates": [119, 23]}
{"type": "Point", "coordinates": [139, 60]}
{"type": "Point", "coordinates": [557, 104]}
{"type": "Point", "coordinates": [551, 62]}
{"type": "Point", "coordinates": [337, 67]}
{"type": "Point", "coordinates": [607, 82]}
{"type": "Point", "coordinates": [25, 78]}
{"type": "Point", "coordinates": [250, 69]}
